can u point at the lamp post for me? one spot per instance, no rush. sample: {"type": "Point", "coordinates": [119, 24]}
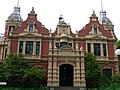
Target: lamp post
{"type": "Point", "coordinates": [118, 54]}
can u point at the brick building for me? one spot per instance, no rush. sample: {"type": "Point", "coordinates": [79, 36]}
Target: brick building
{"type": "Point", "coordinates": [61, 53]}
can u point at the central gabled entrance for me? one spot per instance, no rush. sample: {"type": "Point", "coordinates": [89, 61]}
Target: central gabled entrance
{"type": "Point", "coordinates": [66, 75]}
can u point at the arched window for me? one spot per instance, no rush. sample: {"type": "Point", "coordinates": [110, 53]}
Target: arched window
{"type": "Point", "coordinates": [95, 30]}
{"type": "Point", "coordinates": [31, 27]}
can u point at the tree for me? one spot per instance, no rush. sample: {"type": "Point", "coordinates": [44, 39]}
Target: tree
{"type": "Point", "coordinates": [118, 44]}
{"type": "Point", "coordinates": [34, 76]}
{"type": "Point", "coordinates": [2, 73]}
{"type": "Point", "coordinates": [116, 78]}
{"type": "Point", "coordinates": [92, 71]}
{"type": "Point", "coordinates": [15, 66]}
{"type": "Point", "coordinates": [16, 70]}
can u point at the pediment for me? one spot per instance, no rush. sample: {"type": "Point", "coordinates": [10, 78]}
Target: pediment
{"type": "Point", "coordinates": [66, 51]}
{"type": "Point", "coordinates": [66, 48]}
{"type": "Point", "coordinates": [29, 34]}
{"type": "Point", "coordinates": [96, 36]}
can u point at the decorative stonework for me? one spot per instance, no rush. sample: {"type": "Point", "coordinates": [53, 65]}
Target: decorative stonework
{"type": "Point", "coordinates": [69, 57]}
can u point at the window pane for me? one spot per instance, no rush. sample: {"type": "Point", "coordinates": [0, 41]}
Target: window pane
{"type": "Point", "coordinates": [97, 51]}
{"type": "Point", "coordinates": [29, 47]}
{"type": "Point", "coordinates": [31, 28]}
{"type": "Point", "coordinates": [89, 47]}
{"type": "Point", "coordinates": [104, 50]}
{"type": "Point", "coordinates": [10, 28]}
{"type": "Point", "coordinates": [95, 30]}
{"type": "Point", "coordinates": [21, 47]}
{"type": "Point", "coordinates": [37, 48]}
{"type": "Point", "coordinates": [57, 45]}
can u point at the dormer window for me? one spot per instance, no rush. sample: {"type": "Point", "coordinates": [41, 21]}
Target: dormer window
{"type": "Point", "coordinates": [95, 30]}
{"type": "Point", "coordinates": [30, 27]}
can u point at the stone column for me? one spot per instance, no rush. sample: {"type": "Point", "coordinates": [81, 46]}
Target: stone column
{"type": "Point", "coordinates": [83, 83]}
{"type": "Point", "coordinates": [40, 47]}
{"type": "Point", "coordinates": [55, 79]}
{"type": "Point", "coordinates": [49, 80]}
{"type": "Point", "coordinates": [77, 73]}
{"type": "Point", "coordinates": [107, 50]}
{"type": "Point", "coordinates": [50, 44]}
{"type": "Point", "coordinates": [8, 48]}
{"type": "Point", "coordinates": [101, 49]}
{"type": "Point", "coordinates": [76, 45]}
{"type": "Point", "coordinates": [92, 48]}
{"type": "Point", "coordinates": [34, 48]}
{"type": "Point", "coordinates": [2, 52]}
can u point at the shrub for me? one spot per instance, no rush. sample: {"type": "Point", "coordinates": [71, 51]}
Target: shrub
{"type": "Point", "coordinates": [116, 78]}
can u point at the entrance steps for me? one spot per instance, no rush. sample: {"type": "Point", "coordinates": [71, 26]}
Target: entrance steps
{"type": "Point", "coordinates": [67, 88]}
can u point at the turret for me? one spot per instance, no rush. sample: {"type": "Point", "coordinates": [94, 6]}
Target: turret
{"type": "Point", "coordinates": [13, 21]}
{"type": "Point", "coordinates": [105, 21]}
{"type": "Point", "coordinates": [62, 27]}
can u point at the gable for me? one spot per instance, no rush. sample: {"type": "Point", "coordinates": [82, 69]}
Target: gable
{"type": "Point", "coordinates": [37, 27]}
{"type": "Point", "coordinates": [88, 31]}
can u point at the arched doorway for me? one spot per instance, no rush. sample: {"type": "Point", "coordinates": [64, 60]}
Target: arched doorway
{"type": "Point", "coordinates": [66, 75]}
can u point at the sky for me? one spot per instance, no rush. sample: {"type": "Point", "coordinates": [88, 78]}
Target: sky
{"type": "Point", "coordinates": [75, 12]}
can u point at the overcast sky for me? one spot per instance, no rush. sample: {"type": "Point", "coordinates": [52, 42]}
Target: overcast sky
{"type": "Point", "coordinates": [75, 12]}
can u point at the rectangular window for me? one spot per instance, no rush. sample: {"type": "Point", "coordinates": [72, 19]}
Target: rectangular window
{"type": "Point", "coordinates": [95, 30]}
{"type": "Point", "coordinates": [97, 50]}
{"type": "Point", "coordinates": [70, 44]}
{"type": "Point", "coordinates": [21, 47]}
{"type": "Point", "coordinates": [107, 73]}
{"type": "Point", "coordinates": [10, 28]}
{"type": "Point", "coordinates": [89, 47]}
{"type": "Point", "coordinates": [57, 45]}
{"type": "Point", "coordinates": [104, 50]}
{"type": "Point", "coordinates": [37, 48]}
{"type": "Point", "coordinates": [29, 47]}
{"type": "Point", "coordinates": [31, 28]}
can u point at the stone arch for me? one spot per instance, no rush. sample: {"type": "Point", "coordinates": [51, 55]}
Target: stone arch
{"type": "Point", "coordinates": [59, 64]}
{"type": "Point", "coordinates": [66, 75]}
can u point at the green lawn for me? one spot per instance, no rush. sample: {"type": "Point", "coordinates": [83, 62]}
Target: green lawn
{"type": "Point", "coordinates": [26, 88]}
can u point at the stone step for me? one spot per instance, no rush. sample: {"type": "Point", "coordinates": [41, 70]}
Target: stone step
{"type": "Point", "coordinates": [67, 88]}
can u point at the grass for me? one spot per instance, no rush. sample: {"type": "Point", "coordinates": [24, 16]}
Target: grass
{"type": "Point", "coordinates": [26, 88]}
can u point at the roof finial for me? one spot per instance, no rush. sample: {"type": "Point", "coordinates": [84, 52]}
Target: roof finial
{"type": "Point", "coordinates": [17, 3]}
{"type": "Point", "coordinates": [101, 6]}
{"type": "Point", "coordinates": [93, 14]}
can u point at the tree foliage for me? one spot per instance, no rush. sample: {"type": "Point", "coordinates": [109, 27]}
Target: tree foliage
{"type": "Point", "coordinates": [118, 44]}
{"type": "Point", "coordinates": [116, 78]}
{"type": "Point", "coordinates": [16, 68]}
{"type": "Point", "coordinates": [2, 73]}
{"type": "Point", "coordinates": [34, 74]}
{"type": "Point", "coordinates": [92, 70]}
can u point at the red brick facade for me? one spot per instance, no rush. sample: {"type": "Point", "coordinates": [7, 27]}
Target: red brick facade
{"type": "Point", "coordinates": [69, 45]}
